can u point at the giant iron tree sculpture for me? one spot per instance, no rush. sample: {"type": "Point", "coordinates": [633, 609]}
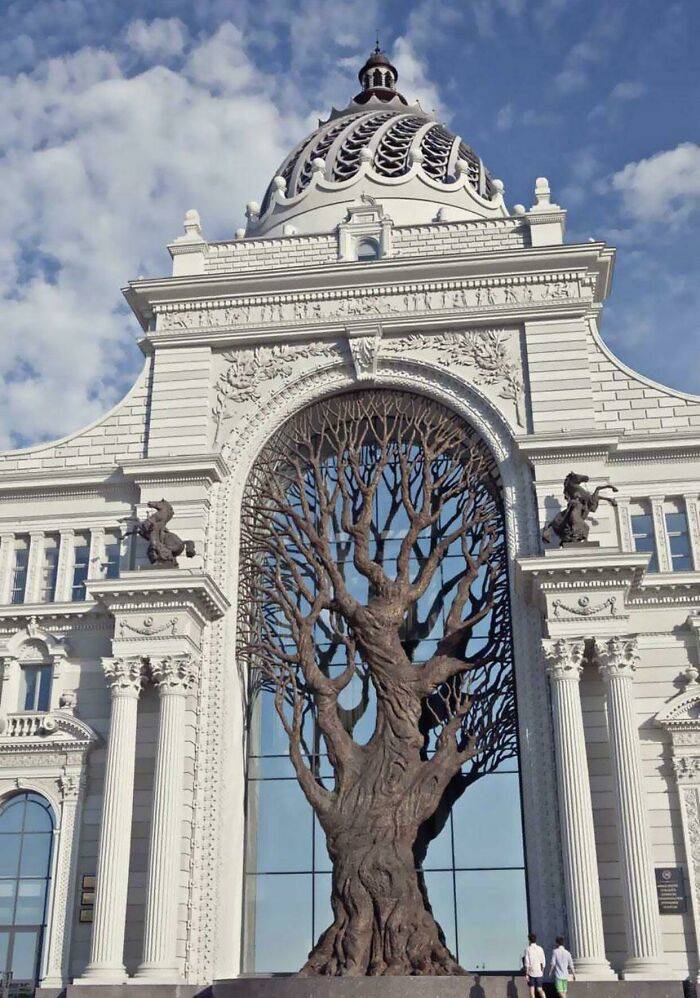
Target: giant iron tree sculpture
{"type": "Point", "coordinates": [352, 519]}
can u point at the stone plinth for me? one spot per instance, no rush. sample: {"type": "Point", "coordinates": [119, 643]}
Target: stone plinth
{"type": "Point", "coordinates": [472, 986]}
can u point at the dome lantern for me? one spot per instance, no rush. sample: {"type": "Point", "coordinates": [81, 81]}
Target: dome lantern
{"type": "Point", "coordinates": [378, 78]}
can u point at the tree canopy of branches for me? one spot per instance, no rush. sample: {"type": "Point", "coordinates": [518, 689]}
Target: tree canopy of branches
{"type": "Point", "coordinates": [374, 554]}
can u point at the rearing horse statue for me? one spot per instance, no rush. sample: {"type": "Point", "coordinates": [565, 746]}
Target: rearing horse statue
{"type": "Point", "coordinates": [164, 546]}
{"type": "Point", "coordinates": [570, 524]}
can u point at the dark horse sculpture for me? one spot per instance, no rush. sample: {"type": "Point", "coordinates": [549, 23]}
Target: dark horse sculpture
{"type": "Point", "coordinates": [164, 547]}
{"type": "Point", "coordinates": [570, 524]}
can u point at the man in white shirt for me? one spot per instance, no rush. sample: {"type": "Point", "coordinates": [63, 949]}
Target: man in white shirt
{"type": "Point", "coordinates": [534, 962]}
{"type": "Point", "coordinates": [561, 965]}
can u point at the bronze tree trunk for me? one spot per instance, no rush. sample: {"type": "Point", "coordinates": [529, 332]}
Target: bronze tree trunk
{"type": "Point", "coordinates": [387, 488]}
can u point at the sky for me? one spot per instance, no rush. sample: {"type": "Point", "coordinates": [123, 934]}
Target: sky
{"type": "Point", "coordinates": [117, 116]}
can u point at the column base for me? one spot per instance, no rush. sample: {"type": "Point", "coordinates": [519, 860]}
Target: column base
{"type": "Point", "coordinates": [639, 968]}
{"type": "Point", "coordinates": [589, 969]}
{"type": "Point", "coordinates": [99, 974]}
{"type": "Point", "coordinates": [155, 973]}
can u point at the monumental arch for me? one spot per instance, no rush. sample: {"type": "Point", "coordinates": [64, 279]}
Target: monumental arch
{"type": "Point", "coordinates": [152, 827]}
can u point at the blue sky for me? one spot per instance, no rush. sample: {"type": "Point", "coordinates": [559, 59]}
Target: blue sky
{"type": "Point", "coordinates": [117, 117]}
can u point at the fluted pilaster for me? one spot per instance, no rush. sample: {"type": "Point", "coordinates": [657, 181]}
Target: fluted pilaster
{"type": "Point", "coordinates": [174, 676]}
{"type": "Point", "coordinates": [564, 665]}
{"type": "Point", "coordinates": [645, 960]}
{"type": "Point", "coordinates": [125, 677]}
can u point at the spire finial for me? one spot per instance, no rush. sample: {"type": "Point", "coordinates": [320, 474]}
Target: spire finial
{"type": "Point", "coordinates": [377, 48]}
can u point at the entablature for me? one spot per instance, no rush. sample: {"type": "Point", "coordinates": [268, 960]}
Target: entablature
{"type": "Point", "coordinates": [589, 263]}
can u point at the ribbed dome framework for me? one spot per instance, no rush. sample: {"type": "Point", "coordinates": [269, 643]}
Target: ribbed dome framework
{"type": "Point", "coordinates": [378, 147]}
{"type": "Point", "coordinates": [396, 139]}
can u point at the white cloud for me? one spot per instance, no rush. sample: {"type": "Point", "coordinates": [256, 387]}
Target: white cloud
{"type": "Point", "coordinates": [628, 90]}
{"type": "Point", "coordinates": [505, 117]}
{"type": "Point", "coordinates": [664, 187]}
{"type": "Point", "coordinates": [414, 79]}
{"type": "Point", "coordinates": [488, 12]}
{"type": "Point", "coordinates": [98, 172]}
{"type": "Point", "coordinates": [590, 50]}
{"type": "Point", "coordinates": [158, 39]}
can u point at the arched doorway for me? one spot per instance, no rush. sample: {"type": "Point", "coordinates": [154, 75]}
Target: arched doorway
{"type": "Point", "coordinates": [471, 861]}
{"type": "Point", "coordinates": [26, 838]}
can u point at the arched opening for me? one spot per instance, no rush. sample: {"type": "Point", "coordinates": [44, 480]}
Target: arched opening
{"type": "Point", "coordinates": [367, 250]}
{"type": "Point", "coordinates": [309, 524]}
{"type": "Point", "coordinates": [26, 837]}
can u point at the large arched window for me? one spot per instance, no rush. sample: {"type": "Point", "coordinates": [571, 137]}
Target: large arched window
{"type": "Point", "coordinates": [470, 855]}
{"type": "Point", "coordinates": [26, 835]}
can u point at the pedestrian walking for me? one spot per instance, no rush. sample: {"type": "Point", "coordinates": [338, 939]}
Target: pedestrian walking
{"type": "Point", "coordinates": [561, 965]}
{"type": "Point", "coordinates": [534, 962]}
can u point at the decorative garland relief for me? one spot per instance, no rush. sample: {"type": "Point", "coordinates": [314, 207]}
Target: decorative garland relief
{"type": "Point", "coordinates": [247, 371]}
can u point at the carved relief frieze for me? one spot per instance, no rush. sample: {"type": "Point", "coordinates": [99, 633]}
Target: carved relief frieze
{"type": "Point", "coordinates": [489, 352]}
{"type": "Point", "coordinates": [148, 626]}
{"type": "Point", "coordinates": [247, 371]}
{"type": "Point", "coordinates": [687, 768]}
{"type": "Point", "coordinates": [584, 607]}
{"type": "Point", "coordinates": [394, 300]}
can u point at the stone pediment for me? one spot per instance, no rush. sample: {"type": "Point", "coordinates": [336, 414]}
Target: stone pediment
{"type": "Point", "coordinates": [682, 713]}
{"type": "Point", "coordinates": [41, 731]}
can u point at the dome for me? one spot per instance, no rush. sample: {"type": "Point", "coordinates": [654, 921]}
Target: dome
{"type": "Point", "coordinates": [379, 146]}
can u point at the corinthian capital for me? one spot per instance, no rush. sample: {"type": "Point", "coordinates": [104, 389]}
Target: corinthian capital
{"type": "Point", "coordinates": [564, 658]}
{"type": "Point", "coordinates": [125, 676]}
{"type": "Point", "coordinates": [617, 657]}
{"type": "Point", "coordinates": [174, 673]}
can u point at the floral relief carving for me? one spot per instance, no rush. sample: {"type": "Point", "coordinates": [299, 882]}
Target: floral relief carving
{"type": "Point", "coordinates": [488, 352]}
{"type": "Point", "coordinates": [687, 768]}
{"type": "Point", "coordinates": [247, 370]}
{"type": "Point", "coordinates": [692, 814]}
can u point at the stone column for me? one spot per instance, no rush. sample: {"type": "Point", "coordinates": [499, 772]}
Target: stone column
{"type": "Point", "coordinates": [97, 553]}
{"type": "Point", "coordinates": [7, 553]}
{"type": "Point", "coordinates": [64, 572]}
{"type": "Point", "coordinates": [624, 523]}
{"type": "Point", "coordinates": [57, 945]}
{"type": "Point", "coordinates": [564, 665]}
{"type": "Point", "coordinates": [662, 549]}
{"type": "Point", "coordinates": [35, 563]}
{"type": "Point", "coordinates": [645, 960]}
{"type": "Point", "coordinates": [174, 677]}
{"type": "Point", "coordinates": [693, 515]}
{"type": "Point", "coordinates": [125, 677]}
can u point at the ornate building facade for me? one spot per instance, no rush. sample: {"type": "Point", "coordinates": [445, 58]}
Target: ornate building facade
{"type": "Point", "coordinates": [383, 256]}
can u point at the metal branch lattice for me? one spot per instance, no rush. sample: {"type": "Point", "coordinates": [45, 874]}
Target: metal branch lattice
{"type": "Point", "coordinates": [375, 560]}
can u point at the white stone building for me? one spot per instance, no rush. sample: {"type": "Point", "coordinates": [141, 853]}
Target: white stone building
{"type": "Point", "coordinates": [383, 255]}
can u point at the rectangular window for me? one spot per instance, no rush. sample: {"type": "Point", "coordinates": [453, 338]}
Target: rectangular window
{"type": "Point", "coordinates": [81, 560]}
{"type": "Point", "coordinates": [49, 569]}
{"type": "Point", "coordinates": [644, 539]}
{"type": "Point", "coordinates": [112, 556]}
{"type": "Point", "coordinates": [678, 537]}
{"type": "Point", "coordinates": [35, 687]}
{"type": "Point", "coordinates": [19, 569]}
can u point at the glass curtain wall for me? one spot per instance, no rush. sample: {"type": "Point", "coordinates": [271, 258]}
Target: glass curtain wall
{"type": "Point", "coordinates": [26, 833]}
{"type": "Point", "coordinates": [474, 869]}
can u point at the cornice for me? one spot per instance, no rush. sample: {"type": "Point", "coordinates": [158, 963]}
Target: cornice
{"type": "Point", "coordinates": [144, 295]}
{"type": "Point", "coordinates": [208, 468]}
{"type": "Point", "coordinates": [52, 615]}
{"type": "Point", "coordinates": [651, 447]}
{"type": "Point", "coordinates": [59, 481]}
{"type": "Point", "coordinates": [573, 568]}
{"type": "Point", "coordinates": [164, 586]}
